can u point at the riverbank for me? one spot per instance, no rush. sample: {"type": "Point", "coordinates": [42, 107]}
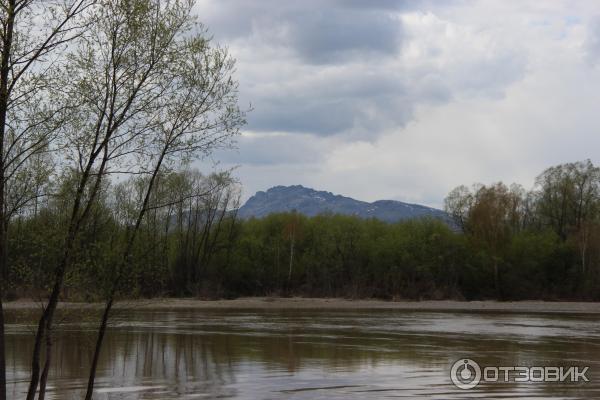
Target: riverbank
{"type": "Point", "coordinates": [271, 303]}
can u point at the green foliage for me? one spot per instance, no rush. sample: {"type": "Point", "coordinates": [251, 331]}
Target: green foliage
{"type": "Point", "coordinates": [190, 243]}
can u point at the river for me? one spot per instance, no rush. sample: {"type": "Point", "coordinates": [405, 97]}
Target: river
{"type": "Point", "coordinates": [307, 354]}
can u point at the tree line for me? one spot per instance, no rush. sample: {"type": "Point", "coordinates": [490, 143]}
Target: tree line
{"type": "Point", "coordinates": [504, 243]}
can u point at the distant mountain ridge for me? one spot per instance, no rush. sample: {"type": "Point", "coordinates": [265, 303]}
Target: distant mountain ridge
{"type": "Point", "coordinates": [312, 202]}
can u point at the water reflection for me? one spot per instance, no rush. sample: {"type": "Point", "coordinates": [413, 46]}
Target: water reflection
{"type": "Point", "coordinates": [305, 354]}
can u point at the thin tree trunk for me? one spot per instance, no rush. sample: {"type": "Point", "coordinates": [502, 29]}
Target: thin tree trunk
{"type": "Point", "coordinates": [46, 371]}
{"type": "Point", "coordinates": [47, 317]}
{"type": "Point", "coordinates": [4, 76]}
{"type": "Point", "coordinates": [44, 324]}
{"type": "Point", "coordinates": [496, 278]}
{"type": "Point", "coordinates": [35, 360]}
{"type": "Point", "coordinates": [101, 333]}
{"type": "Point", "coordinates": [583, 247]}
{"type": "Point", "coordinates": [583, 259]}
{"type": "Point", "coordinates": [76, 220]}
{"type": "Point", "coordinates": [291, 260]}
{"type": "Point", "coordinates": [117, 278]}
{"type": "Point", "coordinates": [231, 237]}
{"type": "Point", "coordinates": [2, 349]}
{"type": "Point", "coordinates": [11, 8]}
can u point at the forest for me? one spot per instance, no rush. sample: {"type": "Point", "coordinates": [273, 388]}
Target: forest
{"type": "Point", "coordinates": [505, 243]}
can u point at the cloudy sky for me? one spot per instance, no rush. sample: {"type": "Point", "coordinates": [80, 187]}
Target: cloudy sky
{"type": "Point", "coordinates": [407, 99]}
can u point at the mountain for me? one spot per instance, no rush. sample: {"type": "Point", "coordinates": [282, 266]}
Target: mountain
{"type": "Point", "coordinates": [311, 202]}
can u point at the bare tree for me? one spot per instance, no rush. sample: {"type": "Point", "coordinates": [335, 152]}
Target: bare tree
{"type": "Point", "coordinates": [125, 78]}
{"type": "Point", "coordinates": [30, 33]}
{"type": "Point", "coordinates": [189, 109]}
{"type": "Point", "coordinates": [458, 204]}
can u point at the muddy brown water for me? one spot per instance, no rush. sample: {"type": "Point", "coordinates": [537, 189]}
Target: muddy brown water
{"type": "Point", "coordinates": [306, 354]}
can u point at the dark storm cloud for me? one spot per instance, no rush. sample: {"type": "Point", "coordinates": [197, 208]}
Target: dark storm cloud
{"type": "Point", "coordinates": [338, 67]}
{"type": "Point", "coordinates": [362, 119]}
{"type": "Point", "coordinates": [338, 35]}
{"type": "Point", "coordinates": [320, 32]}
{"type": "Point", "coordinates": [350, 102]}
{"type": "Point", "coordinates": [231, 18]}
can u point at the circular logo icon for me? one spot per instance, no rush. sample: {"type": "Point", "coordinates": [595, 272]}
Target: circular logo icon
{"type": "Point", "coordinates": [465, 373]}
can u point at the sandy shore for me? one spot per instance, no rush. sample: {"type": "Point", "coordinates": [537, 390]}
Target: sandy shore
{"type": "Point", "coordinates": [268, 303]}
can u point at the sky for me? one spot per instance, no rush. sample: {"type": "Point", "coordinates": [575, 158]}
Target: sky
{"type": "Point", "coordinates": [405, 100]}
